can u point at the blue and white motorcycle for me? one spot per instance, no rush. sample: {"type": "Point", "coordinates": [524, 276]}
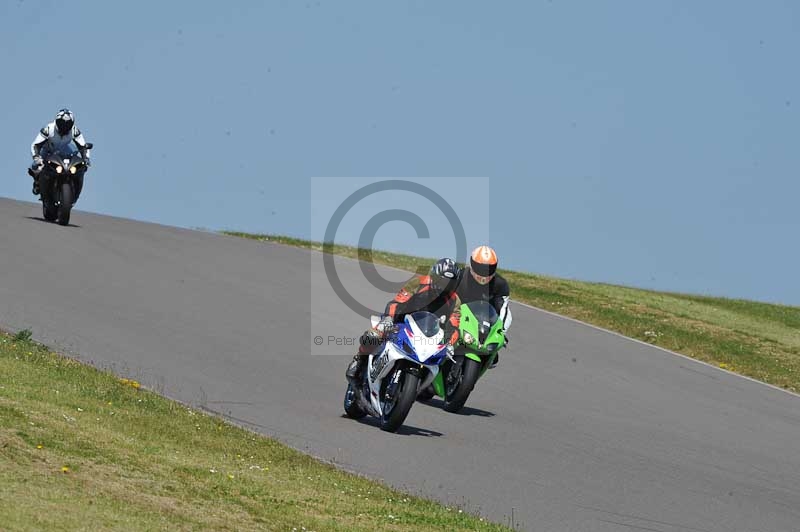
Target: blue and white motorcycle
{"type": "Point", "coordinates": [408, 362]}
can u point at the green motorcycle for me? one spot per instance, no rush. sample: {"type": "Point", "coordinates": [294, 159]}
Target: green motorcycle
{"type": "Point", "coordinates": [481, 338]}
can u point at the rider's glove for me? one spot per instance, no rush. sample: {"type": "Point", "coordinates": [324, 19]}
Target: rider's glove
{"type": "Point", "coordinates": [385, 325]}
{"type": "Point", "coordinates": [450, 350]}
{"type": "Point", "coordinates": [38, 162]}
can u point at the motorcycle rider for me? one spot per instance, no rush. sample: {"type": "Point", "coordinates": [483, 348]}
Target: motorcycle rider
{"type": "Point", "coordinates": [434, 293]}
{"type": "Point", "coordinates": [481, 282]}
{"type": "Point", "coordinates": [54, 137]}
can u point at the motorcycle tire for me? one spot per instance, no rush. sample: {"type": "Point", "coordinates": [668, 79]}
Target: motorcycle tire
{"type": "Point", "coordinates": [469, 376]}
{"type": "Point", "coordinates": [65, 209]}
{"type": "Point", "coordinates": [405, 398]}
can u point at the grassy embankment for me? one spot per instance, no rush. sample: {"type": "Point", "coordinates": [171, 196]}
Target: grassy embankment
{"type": "Point", "coordinates": [759, 340]}
{"type": "Point", "coordinates": [83, 450]}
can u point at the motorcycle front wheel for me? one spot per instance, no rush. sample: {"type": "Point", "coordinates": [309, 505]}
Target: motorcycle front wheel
{"type": "Point", "coordinates": [457, 393]}
{"type": "Point", "coordinates": [399, 396]}
{"type": "Point", "coordinates": [65, 208]}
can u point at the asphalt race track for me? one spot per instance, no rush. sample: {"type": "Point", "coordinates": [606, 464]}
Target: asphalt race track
{"type": "Point", "coordinates": [577, 429]}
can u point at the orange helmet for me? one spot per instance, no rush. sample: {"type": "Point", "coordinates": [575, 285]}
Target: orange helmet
{"type": "Point", "coordinates": [483, 264]}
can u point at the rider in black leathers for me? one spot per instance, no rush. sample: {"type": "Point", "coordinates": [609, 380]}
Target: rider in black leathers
{"type": "Point", "coordinates": [434, 293]}
{"type": "Point", "coordinates": [481, 282]}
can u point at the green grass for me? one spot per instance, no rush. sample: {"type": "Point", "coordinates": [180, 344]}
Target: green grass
{"type": "Point", "coordinates": [759, 340]}
{"type": "Point", "coordinates": [83, 450]}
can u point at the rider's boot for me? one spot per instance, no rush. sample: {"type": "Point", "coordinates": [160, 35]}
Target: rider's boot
{"type": "Point", "coordinates": [353, 372]}
{"type": "Point", "coordinates": [368, 344]}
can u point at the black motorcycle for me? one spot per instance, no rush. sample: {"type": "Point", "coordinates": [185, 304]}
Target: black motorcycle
{"type": "Point", "coordinates": [61, 182]}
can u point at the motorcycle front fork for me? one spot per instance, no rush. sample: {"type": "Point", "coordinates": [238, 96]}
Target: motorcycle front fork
{"type": "Point", "coordinates": [391, 388]}
{"type": "Point", "coordinates": [454, 371]}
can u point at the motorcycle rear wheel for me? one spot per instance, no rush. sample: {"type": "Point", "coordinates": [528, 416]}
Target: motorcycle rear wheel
{"type": "Point", "coordinates": [49, 213]}
{"type": "Point", "coordinates": [426, 393]}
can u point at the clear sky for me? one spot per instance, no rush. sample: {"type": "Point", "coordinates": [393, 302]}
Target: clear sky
{"type": "Point", "coordinates": [654, 144]}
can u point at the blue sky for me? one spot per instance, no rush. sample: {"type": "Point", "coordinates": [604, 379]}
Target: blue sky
{"type": "Point", "coordinates": [652, 144]}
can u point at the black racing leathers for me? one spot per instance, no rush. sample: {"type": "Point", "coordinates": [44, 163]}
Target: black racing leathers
{"type": "Point", "coordinates": [495, 292]}
{"type": "Point", "coordinates": [420, 294]}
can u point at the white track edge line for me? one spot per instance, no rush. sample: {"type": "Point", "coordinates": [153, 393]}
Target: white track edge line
{"type": "Point", "coordinates": [664, 349]}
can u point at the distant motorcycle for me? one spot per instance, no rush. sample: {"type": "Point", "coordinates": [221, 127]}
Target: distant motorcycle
{"type": "Point", "coordinates": [61, 182]}
{"type": "Point", "coordinates": [410, 358]}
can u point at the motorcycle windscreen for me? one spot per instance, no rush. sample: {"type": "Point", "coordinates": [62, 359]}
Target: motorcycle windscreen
{"type": "Point", "coordinates": [66, 151]}
{"type": "Point", "coordinates": [426, 323]}
{"type": "Point", "coordinates": [426, 336]}
{"type": "Point", "coordinates": [486, 316]}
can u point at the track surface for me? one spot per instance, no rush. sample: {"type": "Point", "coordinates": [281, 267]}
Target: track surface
{"type": "Point", "coordinates": [577, 429]}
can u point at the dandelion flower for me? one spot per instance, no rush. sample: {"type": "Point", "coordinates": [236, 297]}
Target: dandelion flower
{"type": "Point", "coordinates": [39, 446]}
{"type": "Point", "coordinates": [65, 469]}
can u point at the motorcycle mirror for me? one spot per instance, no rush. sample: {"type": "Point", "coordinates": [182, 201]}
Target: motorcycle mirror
{"type": "Point", "coordinates": [89, 145]}
{"type": "Point", "coordinates": [374, 320]}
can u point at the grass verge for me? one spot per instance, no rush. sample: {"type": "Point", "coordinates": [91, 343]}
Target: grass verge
{"type": "Point", "coordinates": [759, 340]}
{"type": "Point", "coordinates": [83, 450]}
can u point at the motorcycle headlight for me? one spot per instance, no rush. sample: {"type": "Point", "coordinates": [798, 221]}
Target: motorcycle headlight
{"type": "Point", "coordinates": [468, 338]}
{"type": "Point", "coordinates": [58, 169]}
{"type": "Point", "coordinates": [73, 170]}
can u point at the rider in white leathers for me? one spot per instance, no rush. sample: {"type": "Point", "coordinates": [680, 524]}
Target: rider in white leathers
{"type": "Point", "coordinates": [53, 137]}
